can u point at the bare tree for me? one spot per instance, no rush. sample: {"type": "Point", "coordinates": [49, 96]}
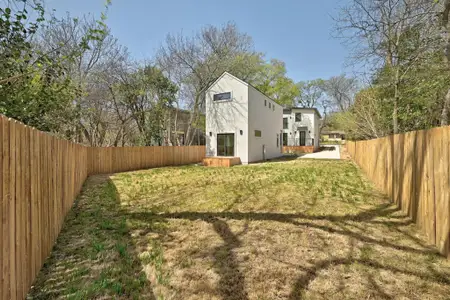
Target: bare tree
{"type": "Point", "coordinates": [310, 93]}
{"type": "Point", "coordinates": [94, 69]}
{"type": "Point", "coordinates": [393, 34]}
{"type": "Point", "coordinates": [340, 91]}
{"type": "Point", "coordinates": [194, 63]}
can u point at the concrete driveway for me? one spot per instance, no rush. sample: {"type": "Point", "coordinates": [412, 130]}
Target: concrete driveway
{"type": "Point", "coordinates": [330, 152]}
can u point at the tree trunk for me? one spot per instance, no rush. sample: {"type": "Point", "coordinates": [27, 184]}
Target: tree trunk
{"type": "Point", "coordinates": [446, 53]}
{"type": "Point", "coordinates": [396, 100]}
{"type": "Point", "coordinates": [445, 109]}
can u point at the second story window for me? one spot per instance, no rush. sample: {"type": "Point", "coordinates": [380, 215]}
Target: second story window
{"type": "Point", "coordinates": [285, 123]}
{"type": "Point", "coordinates": [298, 117]}
{"type": "Point", "coordinates": [222, 96]}
{"type": "Point", "coordinates": [265, 102]}
{"type": "Point", "coordinates": [270, 105]}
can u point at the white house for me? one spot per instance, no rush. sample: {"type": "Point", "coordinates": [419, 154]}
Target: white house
{"type": "Point", "coordinates": [241, 121]}
{"type": "Point", "coordinates": [301, 127]}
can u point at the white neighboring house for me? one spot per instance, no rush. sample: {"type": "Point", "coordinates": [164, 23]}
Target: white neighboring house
{"type": "Point", "coordinates": [241, 121]}
{"type": "Point", "coordinates": [301, 127]}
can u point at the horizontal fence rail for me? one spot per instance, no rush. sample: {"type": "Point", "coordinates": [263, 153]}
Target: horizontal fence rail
{"type": "Point", "coordinates": [414, 170]}
{"type": "Point", "coordinates": [41, 176]}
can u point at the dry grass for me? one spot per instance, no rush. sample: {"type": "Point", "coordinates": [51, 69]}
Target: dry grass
{"type": "Point", "coordinates": [281, 230]}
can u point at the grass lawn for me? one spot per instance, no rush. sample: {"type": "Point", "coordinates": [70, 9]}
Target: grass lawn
{"type": "Point", "coordinates": [281, 230]}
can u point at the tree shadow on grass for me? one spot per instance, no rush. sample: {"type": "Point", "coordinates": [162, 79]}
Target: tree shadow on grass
{"type": "Point", "coordinates": [231, 285]}
{"type": "Point", "coordinates": [94, 256]}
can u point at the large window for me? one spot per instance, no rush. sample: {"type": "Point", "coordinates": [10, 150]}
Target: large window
{"type": "Point", "coordinates": [298, 117]}
{"type": "Point", "coordinates": [258, 133]}
{"type": "Point", "coordinates": [285, 123]}
{"type": "Point", "coordinates": [222, 96]}
{"type": "Point", "coordinates": [225, 144]}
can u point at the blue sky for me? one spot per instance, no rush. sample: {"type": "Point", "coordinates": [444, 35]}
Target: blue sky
{"type": "Point", "coordinates": [295, 31]}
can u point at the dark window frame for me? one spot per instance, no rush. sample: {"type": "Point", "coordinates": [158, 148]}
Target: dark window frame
{"type": "Point", "coordinates": [298, 117]}
{"type": "Point", "coordinates": [285, 122]}
{"type": "Point", "coordinates": [221, 96]}
{"type": "Point", "coordinates": [226, 147]}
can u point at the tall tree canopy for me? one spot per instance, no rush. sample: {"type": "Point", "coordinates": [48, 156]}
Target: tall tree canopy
{"type": "Point", "coordinates": [406, 44]}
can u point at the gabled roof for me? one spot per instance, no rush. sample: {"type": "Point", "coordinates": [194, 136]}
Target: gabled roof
{"type": "Point", "coordinates": [243, 82]}
{"type": "Point", "coordinates": [226, 73]}
{"type": "Point", "coordinates": [288, 110]}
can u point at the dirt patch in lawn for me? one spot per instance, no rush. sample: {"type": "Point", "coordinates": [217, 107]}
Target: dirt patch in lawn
{"type": "Point", "coordinates": [281, 230]}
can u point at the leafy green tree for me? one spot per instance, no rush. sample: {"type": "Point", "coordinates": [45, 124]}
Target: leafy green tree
{"type": "Point", "coordinates": [273, 81]}
{"type": "Point", "coordinates": [147, 94]}
{"type": "Point", "coordinates": [34, 86]}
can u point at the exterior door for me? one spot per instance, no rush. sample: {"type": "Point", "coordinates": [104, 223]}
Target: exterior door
{"type": "Point", "coordinates": [285, 139]}
{"type": "Point", "coordinates": [225, 144]}
{"type": "Point", "coordinates": [302, 138]}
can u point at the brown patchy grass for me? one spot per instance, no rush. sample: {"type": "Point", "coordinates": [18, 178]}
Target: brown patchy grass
{"type": "Point", "coordinates": [281, 230]}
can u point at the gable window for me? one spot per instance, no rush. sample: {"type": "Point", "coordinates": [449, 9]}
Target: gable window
{"type": "Point", "coordinates": [273, 106]}
{"type": "Point", "coordinates": [298, 117]}
{"type": "Point", "coordinates": [285, 123]}
{"type": "Point", "coordinates": [270, 105]}
{"type": "Point", "coordinates": [258, 133]}
{"type": "Point", "coordinates": [265, 102]}
{"type": "Point", "coordinates": [222, 96]}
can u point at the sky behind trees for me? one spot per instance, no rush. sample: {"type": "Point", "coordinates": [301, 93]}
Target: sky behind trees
{"type": "Point", "coordinates": [296, 32]}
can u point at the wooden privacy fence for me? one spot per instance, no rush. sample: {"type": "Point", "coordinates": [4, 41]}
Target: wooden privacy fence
{"type": "Point", "coordinates": [40, 178]}
{"type": "Point", "coordinates": [104, 160]}
{"type": "Point", "coordinates": [414, 170]}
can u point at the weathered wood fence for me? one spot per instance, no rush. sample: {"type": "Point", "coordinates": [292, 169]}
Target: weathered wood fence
{"type": "Point", "coordinates": [414, 170]}
{"type": "Point", "coordinates": [40, 178]}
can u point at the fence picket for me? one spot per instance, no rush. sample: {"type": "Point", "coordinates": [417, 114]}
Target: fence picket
{"type": "Point", "coordinates": [414, 170]}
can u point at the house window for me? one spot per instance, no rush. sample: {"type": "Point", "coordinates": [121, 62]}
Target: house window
{"type": "Point", "coordinates": [258, 133]}
{"type": "Point", "coordinates": [265, 102]}
{"type": "Point", "coordinates": [278, 141]}
{"type": "Point", "coordinates": [222, 96]}
{"type": "Point", "coordinates": [225, 144]}
{"type": "Point", "coordinates": [285, 139]}
{"type": "Point", "coordinates": [298, 117]}
{"type": "Point", "coordinates": [270, 105]}
{"type": "Point", "coordinates": [285, 123]}
{"type": "Point", "coordinates": [273, 106]}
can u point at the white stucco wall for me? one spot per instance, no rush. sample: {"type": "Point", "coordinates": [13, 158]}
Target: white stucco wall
{"type": "Point", "coordinates": [268, 121]}
{"type": "Point", "coordinates": [310, 119]}
{"type": "Point", "coordinates": [228, 116]}
{"type": "Point", "coordinates": [316, 131]}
